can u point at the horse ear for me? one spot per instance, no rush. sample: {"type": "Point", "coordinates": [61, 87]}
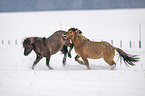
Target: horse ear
{"type": "Point", "coordinates": [43, 38]}
{"type": "Point", "coordinates": [26, 42]}
{"type": "Point", "coordinates": [79, 31]}
{"type": "Point", "coordinates": [31, 40]}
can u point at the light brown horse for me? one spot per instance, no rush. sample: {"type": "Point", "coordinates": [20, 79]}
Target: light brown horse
{"type": "Point", "coordinates": [95, 50]}
{"type": "Point", "coordinates": [45, 47]}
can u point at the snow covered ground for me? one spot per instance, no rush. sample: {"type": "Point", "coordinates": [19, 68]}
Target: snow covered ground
{"type": "Point", "coordinates": [18, 79]}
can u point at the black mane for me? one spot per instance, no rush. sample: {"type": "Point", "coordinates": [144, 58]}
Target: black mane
{"type": "Point", "coordinates": [73, 29]}
{"type": "Point", "coordinates": [26, 42]}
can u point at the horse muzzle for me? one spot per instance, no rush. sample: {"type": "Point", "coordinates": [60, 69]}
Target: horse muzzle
{"type": "Point", "coordinates": [25, 54]}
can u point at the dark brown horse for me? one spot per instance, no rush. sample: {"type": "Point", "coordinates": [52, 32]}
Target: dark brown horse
{"type": "Point", "coordinates": [45, 47]}
{"type": "Point", "coordinates": [95, 50]}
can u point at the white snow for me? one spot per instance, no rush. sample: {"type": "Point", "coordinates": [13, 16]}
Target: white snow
{"type": "Point", "coordinates": [18, 79]}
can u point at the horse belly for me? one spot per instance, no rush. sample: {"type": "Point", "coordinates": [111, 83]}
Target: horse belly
{"type": "Point", "coordinates": [94, 50]}
{"type": "Point", "coordinates": [55, 47]}
{"type": "Point", "coordinates": [94, 55]}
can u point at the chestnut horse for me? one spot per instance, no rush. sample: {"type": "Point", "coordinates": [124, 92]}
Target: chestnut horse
{"type": "Point", "coordinates": [95, 50]}
{"type": "Point", "coordinates": [45, 47]}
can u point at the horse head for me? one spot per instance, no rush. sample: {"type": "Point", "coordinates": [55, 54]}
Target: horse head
{"type": "Point", "coordinates": [27, 44]}
{"type": "Point", "coordinates": [70, 33]}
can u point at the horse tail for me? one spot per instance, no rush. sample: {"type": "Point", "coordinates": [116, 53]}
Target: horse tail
{"type": "Point", "coordinates": [128, 59]}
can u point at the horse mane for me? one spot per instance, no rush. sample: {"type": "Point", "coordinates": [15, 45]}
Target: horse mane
{"type": "Point", "coordinates": [79, 34]}
{"type": "Point", "coordinates": [73, 29]}
{"type": "Point", "coordinates": [30, 40]}
{"type": "Point", "coordinates": [82, 37]}
{"type": "Point", "coordinates": [26, 42]}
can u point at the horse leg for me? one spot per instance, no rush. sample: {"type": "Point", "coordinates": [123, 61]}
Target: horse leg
{"type": "Point", "coordinates": [69, 53]}
{"type": "Point", "coordinates": [111, 63]}
{"type": "Point", "coordinates": [64, 59]}
{"type": "Point", "coordinates": [47, 62]}
{"type": "Point", "coordinates": [108, 57]}
{"type": "Point", "coordinates": [86, 62]}
{"type": "Point", "coordinates": [64, 51]}
{"type": "Point", "coordinates": [36, 61]}
{"type": "Point", "coordinates": [79, 61]}
{"type": "Point", "coordinates": [67, 43]}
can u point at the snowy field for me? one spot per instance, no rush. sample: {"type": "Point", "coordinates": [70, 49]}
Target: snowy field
{"type": "Point", "coordinates": [18, 79]}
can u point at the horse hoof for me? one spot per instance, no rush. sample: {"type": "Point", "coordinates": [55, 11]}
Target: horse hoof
{"type": "Point", "coordinates": [89, 68]}
{"type": "Point", "coordinates": [69, 55]}
{"type": "Point", "coordinates": [113, 66]}
{"type": "Point", "coordinates": [63, 64]}
{"type": "Point", "coordinates": [81, 62]}
{"type": "Point", "coordinates": [33, 67]}
{"type": "Point", "coordinates": [50, 68]}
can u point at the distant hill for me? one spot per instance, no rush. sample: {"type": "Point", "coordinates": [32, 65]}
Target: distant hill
{"type": "Point", "coordinates": [45, 5]}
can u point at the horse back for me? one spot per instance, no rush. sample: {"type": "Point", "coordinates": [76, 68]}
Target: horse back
{"type": "Point", "coordinates": [55, 42]}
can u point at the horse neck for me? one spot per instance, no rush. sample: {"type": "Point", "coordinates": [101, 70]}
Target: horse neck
{"type": "Point", "coordinates": [77, 41]}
